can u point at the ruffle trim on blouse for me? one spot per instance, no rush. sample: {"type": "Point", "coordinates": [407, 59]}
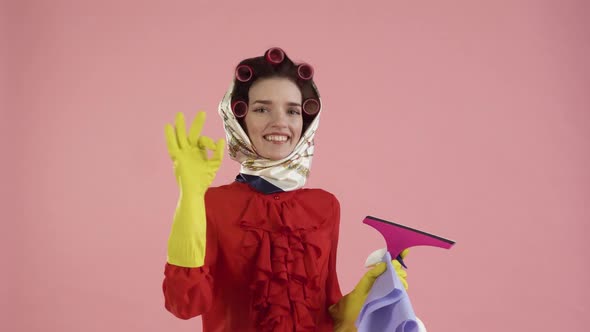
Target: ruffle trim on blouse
{"type": "Point", "coordinates": [286, 282]}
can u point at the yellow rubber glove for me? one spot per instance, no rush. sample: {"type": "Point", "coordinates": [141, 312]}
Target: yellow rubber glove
{"type": "Point", "coordinates": [346, 311]}
{"type": "Point", "coordinates": [194, 172]}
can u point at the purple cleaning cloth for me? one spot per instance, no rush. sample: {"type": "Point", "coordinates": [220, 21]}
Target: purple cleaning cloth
{"type": "Point", "coordinates": [387, 307]}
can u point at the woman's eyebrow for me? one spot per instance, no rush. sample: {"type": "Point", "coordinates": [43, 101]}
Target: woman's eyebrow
{"type": "Point", "coordinates": [268, 102]}
{"type": "Point", "coordinates": [265, 102]}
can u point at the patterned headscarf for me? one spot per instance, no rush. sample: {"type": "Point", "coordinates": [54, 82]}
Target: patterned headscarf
{"type": "Point", "coordinates": [289, 173]}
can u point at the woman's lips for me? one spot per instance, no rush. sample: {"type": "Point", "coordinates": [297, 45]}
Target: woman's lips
{"type": "Point", "coordinates": [276, 138]}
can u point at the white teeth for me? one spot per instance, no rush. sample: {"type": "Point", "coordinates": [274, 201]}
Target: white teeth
{"type": "Point", "coordinates": [276, 138]}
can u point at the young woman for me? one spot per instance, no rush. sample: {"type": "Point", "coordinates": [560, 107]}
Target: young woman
{"type": "Point", "coordinates": [258, 254]}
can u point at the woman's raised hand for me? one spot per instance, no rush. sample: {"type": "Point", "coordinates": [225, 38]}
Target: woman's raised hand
{"type": "Point", "coordinates": [193, 167]}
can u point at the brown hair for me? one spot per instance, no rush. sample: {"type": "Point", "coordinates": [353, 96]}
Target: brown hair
{"type": "Point", "coordinates": [262, 68]}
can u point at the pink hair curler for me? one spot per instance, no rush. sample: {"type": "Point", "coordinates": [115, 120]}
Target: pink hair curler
{"type": "Point", "coordinates": [311, 106]}
{"type": "Point", "coordinates": [244, 73]}
{"type": "Point", "coordinates": [305, 71]}
{"type": "Point", "coordinates": [239, 108]}
{"type": "Point", "coordinates": [274, 55]}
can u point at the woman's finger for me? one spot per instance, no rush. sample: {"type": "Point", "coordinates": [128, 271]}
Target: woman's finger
{"type": "Point", "coordinates": [219, 151]}
{"type": "Point", "coordinates": [205, 142]}
{"type": "Point", "coordinates": [196, 128]}
{"type": "Point", "coordinates": [181, 131]}
{"type": "Point", "coordinates": [171, 141]}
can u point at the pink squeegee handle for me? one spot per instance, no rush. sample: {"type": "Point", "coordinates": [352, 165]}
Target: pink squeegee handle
{"type": "Point", "coordinates": [399, 237]}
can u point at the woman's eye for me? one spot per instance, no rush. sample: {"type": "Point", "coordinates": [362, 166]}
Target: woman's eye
{"type": "Point", "coordinates": [294, 112]}
{"type": "Point", "coordinates": [260, 110]}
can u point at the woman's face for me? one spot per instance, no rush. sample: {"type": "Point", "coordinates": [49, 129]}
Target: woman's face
{"type": "Point", "coordinates": [274, 120]}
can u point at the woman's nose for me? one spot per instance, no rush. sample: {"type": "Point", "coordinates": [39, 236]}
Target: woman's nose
{"type": "Point", "coordinates": [279, 118]}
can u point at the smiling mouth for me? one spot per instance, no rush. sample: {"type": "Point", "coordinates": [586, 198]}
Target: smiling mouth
{"type": "Point", "coordinates": [276, 138]}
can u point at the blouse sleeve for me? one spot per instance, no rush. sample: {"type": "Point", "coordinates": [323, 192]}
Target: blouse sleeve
{"type": "Point", "coordinates": [333, 293]}
{"type": "Point", "coordinates": [188, 291]}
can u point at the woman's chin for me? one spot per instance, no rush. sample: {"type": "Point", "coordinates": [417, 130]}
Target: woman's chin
{"type": "Point", "coordinates": [275, 155]}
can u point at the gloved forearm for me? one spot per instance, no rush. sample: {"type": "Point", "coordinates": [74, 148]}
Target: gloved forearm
{"type": "Point", "coordinates": [186, 244]}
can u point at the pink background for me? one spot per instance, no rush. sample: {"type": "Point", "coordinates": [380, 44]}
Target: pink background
{"type": "Point", "coordinates": [468, 119]}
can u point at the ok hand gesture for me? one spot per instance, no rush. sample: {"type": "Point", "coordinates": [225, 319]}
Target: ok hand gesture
{"type": "Point", "coordinates": [193, 168]}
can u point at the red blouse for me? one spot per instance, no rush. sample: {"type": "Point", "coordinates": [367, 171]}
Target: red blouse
{"type": "Point", "coordinates": [270, 263]}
